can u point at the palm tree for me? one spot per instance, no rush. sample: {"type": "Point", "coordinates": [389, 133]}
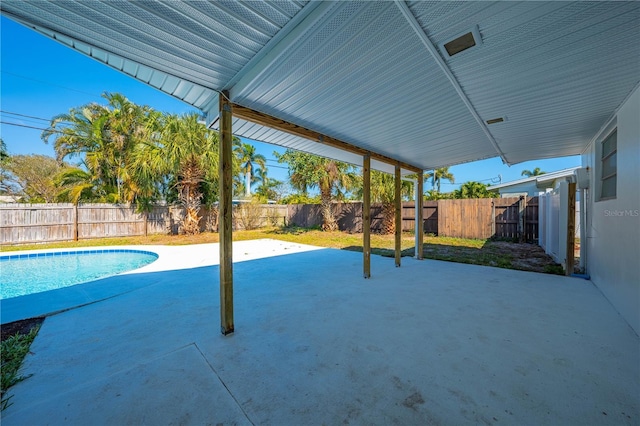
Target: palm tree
{"type": "Point", "coordinates": [330, 176]}
{"type": "Point", "coordinates": [249, 158]}
{"type": "Point", "coordinates": [383, 191]}
{"type": "Point", "coordinates": [530, 173]}
{"type": "Point", "coordinates": [185, 152]}
{"type": "Point", "coordinates": [76, 184]}
{"type": "Point", "coordinates": [104, 136]}
{"type": "Point", "coordinates": [437, 175]}
{"type": "Point", "coordinates": [268, 186]}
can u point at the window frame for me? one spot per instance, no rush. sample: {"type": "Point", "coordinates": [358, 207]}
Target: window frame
{"type": "Point", "coordinates": [603, 159]}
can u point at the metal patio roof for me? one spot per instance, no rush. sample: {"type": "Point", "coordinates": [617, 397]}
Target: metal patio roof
{"type": "Point", "coordinates": [374, 74]}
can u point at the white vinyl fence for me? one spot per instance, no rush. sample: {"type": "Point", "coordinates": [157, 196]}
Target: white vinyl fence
{"type": "Point", "coordinates": [553, 219]}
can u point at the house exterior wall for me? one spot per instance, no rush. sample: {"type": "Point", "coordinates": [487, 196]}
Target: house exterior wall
{"type": "Point", "coordinates": [528, 188]}
{"type": "Point", "coordinates": [613, 232]}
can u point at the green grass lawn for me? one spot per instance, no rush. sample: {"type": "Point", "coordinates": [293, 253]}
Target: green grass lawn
{"type": "Point", "coordinates": [478, 252]}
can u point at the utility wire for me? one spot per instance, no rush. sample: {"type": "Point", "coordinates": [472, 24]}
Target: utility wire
{"type": "Point", "coordinates": [23, 115]}
{"type": "Point", "coordinates": [24, 125]}
{"type": "Point", "coordinates": [50, 84]}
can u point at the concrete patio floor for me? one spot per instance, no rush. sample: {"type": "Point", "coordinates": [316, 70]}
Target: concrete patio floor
{"type": "Point", "coordinates": [315, 343]}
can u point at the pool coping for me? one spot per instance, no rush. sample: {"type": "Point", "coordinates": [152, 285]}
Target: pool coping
{"type": "Point", "coordinates": [49, 253]}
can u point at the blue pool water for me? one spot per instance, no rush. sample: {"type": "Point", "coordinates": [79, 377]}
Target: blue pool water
{"type": "Point", "coordinates": [34, 273]}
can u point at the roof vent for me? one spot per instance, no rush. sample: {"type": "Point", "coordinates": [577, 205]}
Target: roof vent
{"type": "Point", "coordinates": [462, 42]}
{"type": "Point", "coordinates": [495, 120]}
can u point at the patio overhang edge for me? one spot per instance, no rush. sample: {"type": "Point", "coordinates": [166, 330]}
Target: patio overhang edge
{"type": "Point", "coordinates": [267, 120]}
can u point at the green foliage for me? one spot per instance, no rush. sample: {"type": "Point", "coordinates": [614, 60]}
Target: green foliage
{"type": "Point", "coordinates": [76, 184]}
{"type": "Point", "coordinates": [333, 179]}
{"type": "Point", "coordinates": [13, 350]}
{"type": "Point", "coordinates": [299, 198]}
{"type": "Point", "coordinates": [134, 154]}
{"type": "Point", "coordinates": [383, 188]}
{"type": "Point", "coordinates": [105, 138]}
{"type": "Point", "coordinates": [474, 190]}
{"type": "Point", "coordinates": [434, 195]}
{"type": "Point", "coordinates": [269, 189]}
{"type": "Point", "coordinates": [32, 177]}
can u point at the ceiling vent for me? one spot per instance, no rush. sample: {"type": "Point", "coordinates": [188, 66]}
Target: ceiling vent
{"type": "Point", "coordinates": [496, 120]}
{"type": "Point", "coordinates": [465, 41]}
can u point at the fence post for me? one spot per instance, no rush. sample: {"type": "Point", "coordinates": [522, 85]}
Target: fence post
{"type": "Point", "coordinates": [75, 222]}
{"type": "Point", "coordinates": [493, 218]}
{"type": "Point", "coordinates": [146, 223]}
{"type": "Point", "coordinates": [521, 207]}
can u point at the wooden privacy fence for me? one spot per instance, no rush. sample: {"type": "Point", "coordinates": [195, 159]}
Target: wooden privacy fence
{"type": "Point", "coordinates": [37, 223]}
{"type": "Point", "coordinates": [481, 218]}
{"type": "Point", "coordinates": [512, 218]}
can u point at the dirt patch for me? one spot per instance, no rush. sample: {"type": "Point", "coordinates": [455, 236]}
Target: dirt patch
{"type": "Point", "coordinates": [19, 327]}
{"type": "Point", "coordinates": [502, 254]}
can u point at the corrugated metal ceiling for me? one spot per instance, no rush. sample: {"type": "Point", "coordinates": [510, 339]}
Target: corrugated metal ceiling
{"type": "Point", "coordinates": [364, 72]}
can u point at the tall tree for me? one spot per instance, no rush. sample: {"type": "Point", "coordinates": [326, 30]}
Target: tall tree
{"type": "Point", "coordinates": [104, 138]}
{"type": "Point", "coordinates": [329, 176]}
{"type": "Point", "coordinates": [249, 159]}
{"type": "Point", "coordinates": [535, 172]}
{"type": "Point", "coordinates": [437, 175]}
{"type": "Point", "coordinates": [269, 189]}
{"type": "Point", "coordinates": [185, 153]}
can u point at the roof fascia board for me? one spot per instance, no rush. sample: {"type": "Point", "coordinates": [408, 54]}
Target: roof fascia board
{"type": "Point", "coordinates": [277, 46]}
{"type": "Point", "coordinates": [257, 117]}
{"type": "Point", "coordinates": [411, 20]}
{"type": "Point", "coordinates": [540, 178]}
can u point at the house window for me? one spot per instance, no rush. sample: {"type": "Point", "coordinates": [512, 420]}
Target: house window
{"type": "Point", "coordinates": [609, 166]}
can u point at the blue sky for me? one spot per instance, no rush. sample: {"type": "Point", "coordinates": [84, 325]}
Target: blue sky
{"type": "Point", "coordinates": [41, 78]}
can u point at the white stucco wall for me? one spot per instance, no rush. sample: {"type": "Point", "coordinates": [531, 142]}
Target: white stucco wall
{"type": "Point", "coordinates": [613, 233]}
{"type": "Point", "coordinates": [529, 188]}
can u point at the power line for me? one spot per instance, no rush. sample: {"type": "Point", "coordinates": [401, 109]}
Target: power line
{"type": "Point", "coordinates": [23, 115]}
{"type": "Point", "coordinates": [24, 125]}
{"type": "Point", "coordinates": [49, 83]}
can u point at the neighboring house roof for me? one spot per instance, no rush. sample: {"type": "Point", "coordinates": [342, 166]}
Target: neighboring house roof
{"type": "Point", "coordinates": [375, 74]}
{"type": "Point", "coordinates": [541, 181]}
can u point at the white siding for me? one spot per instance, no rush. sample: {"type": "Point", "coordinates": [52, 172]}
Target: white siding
{"type": "Point", "coordinates": [613, 234]}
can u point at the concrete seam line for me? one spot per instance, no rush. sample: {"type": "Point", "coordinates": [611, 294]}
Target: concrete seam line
{"type": "Point", "coordinates": [223, 383]}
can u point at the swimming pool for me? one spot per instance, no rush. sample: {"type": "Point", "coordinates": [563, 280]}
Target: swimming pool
{"type": "Point", "coordinates": [22, 274]}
